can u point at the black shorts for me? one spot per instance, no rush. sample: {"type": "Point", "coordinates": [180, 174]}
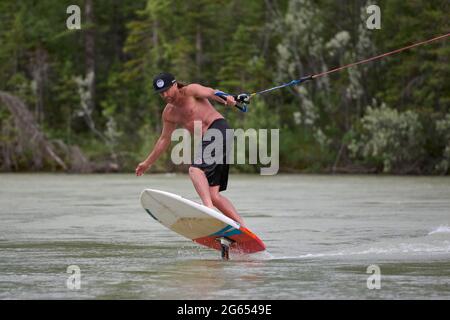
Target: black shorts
{"type": "Point", "coordinates": [216, 171]}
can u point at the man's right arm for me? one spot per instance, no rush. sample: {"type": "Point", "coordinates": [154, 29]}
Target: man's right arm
{"type": "Point", "coordinates": [161, 145]}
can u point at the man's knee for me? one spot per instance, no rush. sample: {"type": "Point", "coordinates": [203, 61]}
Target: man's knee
{"type": "Point", "coordinates": [215, 197]}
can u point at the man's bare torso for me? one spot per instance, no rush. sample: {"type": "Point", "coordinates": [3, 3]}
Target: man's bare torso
{"type": "Point", "coordinates": [189, 109]}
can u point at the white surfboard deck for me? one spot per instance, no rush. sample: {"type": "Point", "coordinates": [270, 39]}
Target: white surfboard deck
{"type": "Point", "coordinates": [198, 222]}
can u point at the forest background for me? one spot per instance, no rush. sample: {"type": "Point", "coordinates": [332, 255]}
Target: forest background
{"type": "Point", "coordinates": [82, 100]}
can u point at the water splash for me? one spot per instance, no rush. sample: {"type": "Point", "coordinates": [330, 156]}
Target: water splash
{"type": "Point", "coordinates": [397, 250]}
{"type": "Point", "coordinates": [440, 229]}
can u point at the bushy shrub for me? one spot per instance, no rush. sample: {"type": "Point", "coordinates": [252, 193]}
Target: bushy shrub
{"type": "Point", "coordinates": [443, 130]}
{"type": "Point", "coordinates": [390, 140]}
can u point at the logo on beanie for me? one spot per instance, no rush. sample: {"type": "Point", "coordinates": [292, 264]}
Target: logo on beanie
{"type": "Point", "coordinates": [160, 83]}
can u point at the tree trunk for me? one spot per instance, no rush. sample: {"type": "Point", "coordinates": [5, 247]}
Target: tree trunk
{"type": "Point", "coordinates": [89, 52]}
{"type": "Point", "coordinates": [38, 66]}
{"type": "Point", "coordinates": [198, 53]}
{"type": "Point", "coordinates": [155, 34]}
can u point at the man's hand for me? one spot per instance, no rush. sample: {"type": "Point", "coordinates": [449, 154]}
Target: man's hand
{"type": "Point", "coordinates": [230, 101]}
{"type": "Point", "coordinates": [141, 168]}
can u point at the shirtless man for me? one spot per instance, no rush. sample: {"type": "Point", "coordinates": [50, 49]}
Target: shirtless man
{"type": "Point", "coordinates": [186, 104]}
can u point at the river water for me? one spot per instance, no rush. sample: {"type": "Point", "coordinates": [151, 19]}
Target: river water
{"type": "Point", "coordinates": [322, 235]}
